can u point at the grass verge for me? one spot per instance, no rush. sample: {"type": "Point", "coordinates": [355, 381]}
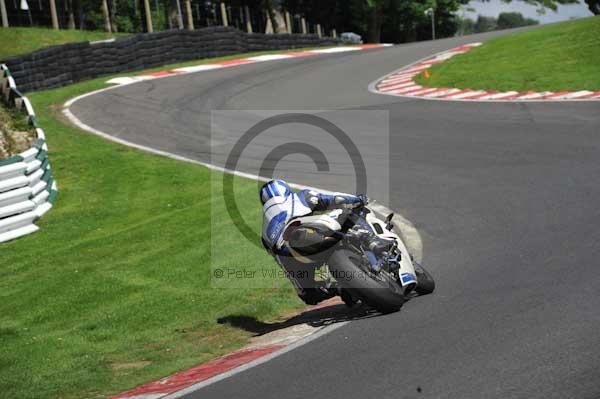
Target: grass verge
{"type": "Point", "coordinates": [115, 290]}
{"type": "Point", "coordinates": [17, 41]}
{"type": "Point", "coordinates": [559, 57]}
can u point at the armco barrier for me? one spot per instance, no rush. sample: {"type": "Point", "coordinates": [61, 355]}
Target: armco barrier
{"type": "Point", "coordinates": [27, 188]}
{"type": "Point", "coordinates": [65, 64]}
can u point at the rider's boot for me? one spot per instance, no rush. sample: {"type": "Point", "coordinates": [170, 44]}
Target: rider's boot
{"type": "Point", "coordinates": [318, 293]}
{"type": "Point", "coordinates": [348, 299]}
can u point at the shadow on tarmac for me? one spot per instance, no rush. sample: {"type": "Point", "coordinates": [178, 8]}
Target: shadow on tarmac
{"type": "Point", "coordinates": [316, 317]}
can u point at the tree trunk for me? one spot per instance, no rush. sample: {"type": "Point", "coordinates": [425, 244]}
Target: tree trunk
{"type": "Point", "coordinates": [375, 21]}
{"type": "Point", "coordinates": [190, 17]}
{"type": "Point", "coordinates": [271, 13]}
{"type": "Point", "coordinates": [4, 14]}
{"type": "Point", "coordinates": [167, 12]}
{"type": "Point", "coordinates": [179, 15]}
{"type": "Point", "coordinates": [248, 19]}
{"type": "Point", "coordinates": [80, 15]}
{"type": "Point", "coordinates": [106, 16]}
{"type": "Point", "coordinates": [288, 22]}
{"type": "Point", "coordinates": [148, 17]}
{"type": "Point", "coordinates": [71, 23]}
{"type": "Point", "coordinates": [113, 15]}
{"type": "Point", "coordinates": [594, 6]}
{"type": "Point", "coordinates": [53, 14]}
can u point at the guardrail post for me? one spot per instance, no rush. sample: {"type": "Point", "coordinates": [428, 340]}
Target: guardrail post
{"type": "Point", "coordinates": [319, 30]}
{"type": "Point", "coordinates": [4, 14]}
{"type": "Point", "coordinates": [224, 14]}
{"type": "Point", "coordinates": [334, 33]}
{"type": "Point", "coordinates": [303, 23]}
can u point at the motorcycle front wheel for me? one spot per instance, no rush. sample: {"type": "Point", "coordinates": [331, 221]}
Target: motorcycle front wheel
{"type": "Point", "coordinates": [378, 290]}
{"type": "Point", "coordinates": [425, 282]}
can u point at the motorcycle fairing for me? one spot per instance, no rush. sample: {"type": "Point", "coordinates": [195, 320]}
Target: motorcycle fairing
{"type": "Point", "coordinates": [406, 274]}
{"type": "Point", "coordinates": [407, 278]}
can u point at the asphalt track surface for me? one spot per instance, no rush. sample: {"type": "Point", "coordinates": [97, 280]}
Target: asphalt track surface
{"type": "Point", "coordinates": [505, 197]}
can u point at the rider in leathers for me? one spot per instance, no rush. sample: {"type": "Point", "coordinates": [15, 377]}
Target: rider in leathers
{"type": "Point", "coordinates": [292, 243]}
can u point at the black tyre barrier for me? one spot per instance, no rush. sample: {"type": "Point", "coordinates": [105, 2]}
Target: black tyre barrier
{"type": "Point", "coordinates": [65, 64]}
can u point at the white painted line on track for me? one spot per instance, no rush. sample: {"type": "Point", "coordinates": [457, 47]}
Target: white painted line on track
{"type": "Point", "coordinates": [397, 79]}
{"type": "Point", "coordinates": [578, 94]}
{"type": "Point", "coordinates": [423, 91]}
{"type": "Point", "coordinates": [409, 89]}
{"type": "Point", "coordinates": [415, 242]}
{"type": "Point", "coordinates": [397, 86]}
{"type": "Point", "coordinates": [125, 80]}
{"type": "Point", "coordinates": [498, 96]}
{"type": "Point", "coordinates": [439, 93]}
{"type": "Point", "coordinates": [334, 50]}
{"type": "Point", "coordinates": [198, 68]}
{"type": "Point", "coordinates": [467, 94]}
{"type": "Point", "coordinates": [254, 363]}
{"type": "Point", "coordinates": [270, 57]}
{"type": "Point", "coordinates": [532, 96]}
{"type": "Point", "coordinates": [405, 228]}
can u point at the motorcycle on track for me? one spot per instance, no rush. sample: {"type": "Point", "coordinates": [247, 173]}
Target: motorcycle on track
{"type": "Point", "coordinates": [369, 261]}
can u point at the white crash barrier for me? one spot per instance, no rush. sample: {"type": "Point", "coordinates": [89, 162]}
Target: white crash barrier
{"type": "Point", "coordinates": [27, 187]}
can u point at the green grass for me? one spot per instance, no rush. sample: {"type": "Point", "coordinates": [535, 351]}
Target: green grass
{"type": "Point", "coordinates": [115, 290]}
{"type": "Point", "coordinates": [17, 41]}
{"type": "Point", "coordinates": [559, 57]}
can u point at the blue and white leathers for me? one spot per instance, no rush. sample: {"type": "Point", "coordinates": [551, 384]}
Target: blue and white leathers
{"type": "Point", "coordinates": [279, 210]}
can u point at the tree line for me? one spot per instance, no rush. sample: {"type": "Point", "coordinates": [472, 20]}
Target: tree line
{"type": "Point", "coordinates": [505, 20]}
{"type": "Point", "coordinates": [393, 21]}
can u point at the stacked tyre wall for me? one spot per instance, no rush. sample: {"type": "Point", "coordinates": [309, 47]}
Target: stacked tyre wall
{"type": "Point", "coordinates": [27, 187]}
{"type": "Point", "coordinates": [65, 64]}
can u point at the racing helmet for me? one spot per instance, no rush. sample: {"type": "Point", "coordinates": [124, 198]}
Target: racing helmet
{"type": "Point", "coordinates": [274, 188]}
